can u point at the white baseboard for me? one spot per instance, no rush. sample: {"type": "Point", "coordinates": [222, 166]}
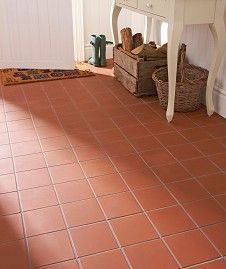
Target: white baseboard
{"type": "Point", "coordinates": [219, 98]}
{"type": "Point", "coordinates": [88, 51]}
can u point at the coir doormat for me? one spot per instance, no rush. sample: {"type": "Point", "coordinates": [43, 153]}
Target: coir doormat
{"type": "Point", "coordinates": [19, 76]}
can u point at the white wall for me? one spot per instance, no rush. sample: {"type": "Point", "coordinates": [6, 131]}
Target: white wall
{"type": "Point", "coordinates": [97, 21]}
{"type": "Point", "coordinates": [36, 34]}
{"type": "Point", "coordinates": [200, 46]}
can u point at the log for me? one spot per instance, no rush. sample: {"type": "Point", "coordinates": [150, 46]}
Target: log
{"type": "Point", "coordinates": [137, 40]}
{"type": "Point", "coordinates": [149, 51]}
{"type": "Point", "coordinates": [127, 39]}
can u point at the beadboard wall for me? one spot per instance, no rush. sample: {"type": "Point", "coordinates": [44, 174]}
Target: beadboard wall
{"type": "Point", "coordinates": [97, 21]}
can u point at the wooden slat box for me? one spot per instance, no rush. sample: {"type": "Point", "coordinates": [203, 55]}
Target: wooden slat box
{"type": "Point", "coordinates": [135, 73]}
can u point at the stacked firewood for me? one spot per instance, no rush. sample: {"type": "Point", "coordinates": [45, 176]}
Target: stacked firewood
{"type": "Point", "coordinates": [135, 44]}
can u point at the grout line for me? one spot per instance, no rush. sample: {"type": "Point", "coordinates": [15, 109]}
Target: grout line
{"type": "Point", "coordinates": [18, 197]}
{"type": "Point", "coordinates": [145, 213]}
{"type": "Point", "coordinates": [171, 192]}
{"type": "Point", "coordinates": [56, 194]}
{"type": "Point", "coordinates": [106, 219]}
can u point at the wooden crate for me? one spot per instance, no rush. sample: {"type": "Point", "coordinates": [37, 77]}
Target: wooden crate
{"type": "Point", "coordinates": [135, 73]}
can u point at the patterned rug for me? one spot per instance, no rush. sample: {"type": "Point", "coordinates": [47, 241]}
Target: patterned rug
{"type": "Point", "coordinates": [19, 76]}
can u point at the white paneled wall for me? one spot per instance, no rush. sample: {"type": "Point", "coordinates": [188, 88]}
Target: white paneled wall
{"type": "Point", "coordinates": [97, 21]}
{"type": "Point", "coordinates": [36, 34]}
{"type": "Point", "coordinates": [200, 46]}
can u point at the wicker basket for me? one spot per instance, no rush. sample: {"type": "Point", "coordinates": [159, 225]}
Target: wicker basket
{"type": "Point", "coordinates": [191, 82]}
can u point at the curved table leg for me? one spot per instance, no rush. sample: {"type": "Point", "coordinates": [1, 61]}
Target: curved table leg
{"type": "Point", "coordinates": [219, 36]}
{"type": "Point", "coordinates": [175, 32]}
{"type": "Point", "coordinates": [115, 11]}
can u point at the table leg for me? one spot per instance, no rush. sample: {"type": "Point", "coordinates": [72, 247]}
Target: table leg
{"type": "Point", "coordinates": [147, 29]}
{"type": "Point", "coordinates": [219, 36]}
{"type": "Point", "coordinates": [175, 32]}
{"type": "Point", "coordinates": [115, 11]}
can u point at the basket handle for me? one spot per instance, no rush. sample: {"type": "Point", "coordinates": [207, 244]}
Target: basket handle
{"type": "Point", "coordinates": [182, 61]}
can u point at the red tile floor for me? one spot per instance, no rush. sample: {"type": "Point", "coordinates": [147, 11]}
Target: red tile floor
{"type": "Point", "coordinates": [94, 178]}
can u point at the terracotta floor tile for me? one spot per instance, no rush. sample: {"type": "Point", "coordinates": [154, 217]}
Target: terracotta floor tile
{"type": "Point", "coordinates": [154, 198]}
{"type": "Point", "coordinates": [98, 167]}
{"type": "Point", "coordinates": [118, 148]}
{"type": "Point", "coordinates": [25, 148]}
{"type": "Point", "coordinates": [209, 147]}
{"type": "Point", "coordinates": [217, 130]}
{"type": "Point", "coordinates": [90, 153]}
{"type": "Point", "coordinates": [140, 178]}
{"type": "Point", "coordinates": [206, 212]}
{"type": "Point", "coordinates": [9, 203]}
{"type": "Point", "coordinates": [124, 121]}
{"type": "Point", "coordinates": [50, 248]}
{"type": "Point", "coordinates": [126, 229]}
{"type": "Point", "coordinates": [43, 220]}
{"type": "Point", "coordinates": [128, 162]}
{"type": "Point", "coordinates": [63, 265]}
{"type": "Point", "coordinates": [157, 157]}
{"type": "Point", "coordinates": [171, 172]}
{"type": "Point", "coordinates": [54, 143]}
{"type": "Point", "coordinates": [188, 191]}
{"type": "Point", "coordinates": [200, 167]}
{"type": "Point", "coordinates": [3, 127]}
{"type": "Point", "coordinates": [191, 248]}
{"type": "Point", "coordinates": [20, 125]}
{"type": "Point", "coordinates": [111, 260]}
{"type": "Point", "coordinates": [182, 124]}
{"type": "Point", "coordinates": [11, 228]}
{"type": "Point", "coordinates": [171, 139]}
{"type": "Point", "coordinates": [135, 131]}
{"type": "Point", "coordinates": [2, 117]}
{"type": "Point", "coordinates": [196, 134]}
{"type": "Point", "coordinates": [7, 183]}
{"type": "Point", "coordinates": [6, 166]}
{"type": "Point", "coordinates": [38, 198]}
{"type": "Point", "coordinates": [60, 157]}
{"type": "Point", "coordinates": [33, 179]}
{"type": "Point", "coordinates": [215, 184]}
{"type": "Point", "coordinates": [107, 184]}
{"type": "Point", "coordinates": [171, 220]}
{"type": "Point", "coordinates": [110, 135]}
{"type": "Point", "coordinates": [150, 255]}
{"type": "Point", "coordinates": [119, 205]}
{"type": "Point", "coordinates": [217, 234]}
{"type": "Point", "coordinates": [93, 238]}
{"type": "Point", "coordinates": [67, 172]}
{"type": "Point", "coordinates": [17, 115]}
{"type": "Point", "coordinates": [220, 160]}
{"type": "Point", "coordinates": [222, 200]}
{"type": "Point", "coordinates": [159, 127]}
{"type": "Point", "coordinates": [49, 131]}
{"type": "Point", "coordinates": [22, 136]}
{"type": "Point", "coordinates": [184, 152]}
{"type": "Point", "coordinates": [82, 139]}
{"type": "Point", "coordinates": [5, 151]}
{"type": "Point", "coordinates": [4, 139]}
{"type": "Point", "coordinates": [16, 250]}
{"type": "Point", "coordinates": [29, 162]}
{"type": "Point", "coordinates": [82, 212]}
{"type": "Point", "coordinates": [145, 143]}
{"type": "Point", "coordinates": [220, 264]}
{"type": "Point", "coordinates": [74, 191]}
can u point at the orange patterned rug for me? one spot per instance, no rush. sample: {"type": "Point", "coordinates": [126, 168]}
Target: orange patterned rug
{"type": "Point", "coordinates": [19, 76]}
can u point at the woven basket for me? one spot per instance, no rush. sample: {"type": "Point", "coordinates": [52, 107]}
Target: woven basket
{"type": "Point", "coordinates": [191, 82]}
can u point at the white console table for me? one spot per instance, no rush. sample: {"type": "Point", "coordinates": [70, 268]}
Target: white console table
{"type": "Point", "coordinates": [179, 13]}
